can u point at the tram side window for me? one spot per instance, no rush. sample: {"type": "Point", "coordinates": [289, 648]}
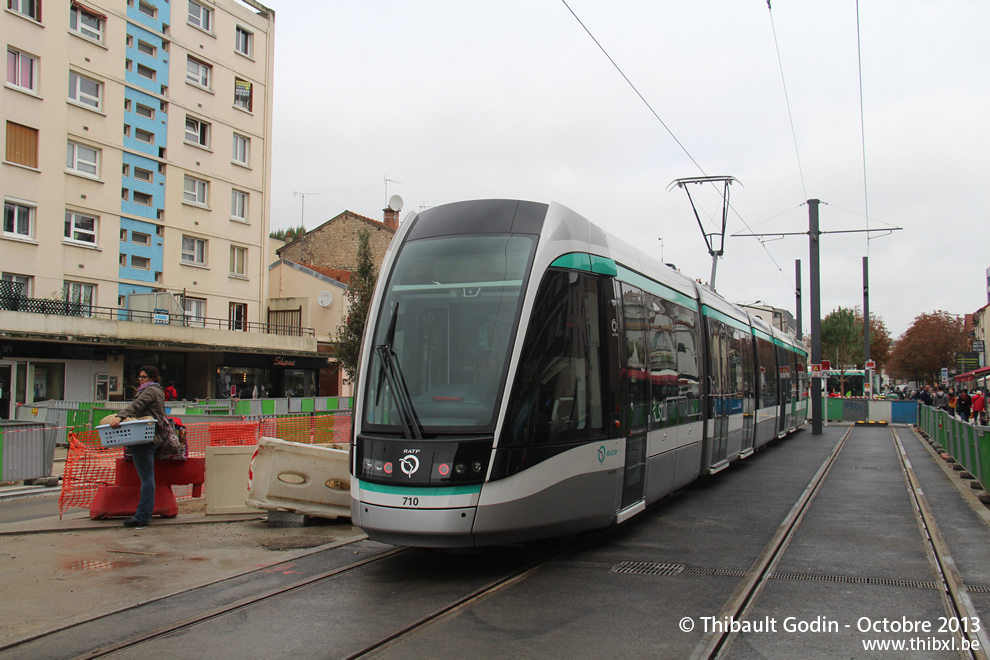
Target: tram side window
{"type": "Point", "coordinates": [741, 367]}
{"type": "Point", "coordinates": [783, 360]}
{"type": "Point", "coordinates": [673, 362]}
{"type": "Point", "coordinates": [557, 396]}
{"type": "Point", "coordinates": [636, 368]}
{"type": "Point", "coordinates": [768, 373]}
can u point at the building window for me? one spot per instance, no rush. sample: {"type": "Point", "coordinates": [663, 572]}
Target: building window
{"type": "Point", "coordinates": [82, 159]}
{"type": "Point", "coordinates": [193, 251]}
{"type": "Point", "coordinates": [197, 132]}
{"type": "Point", "coordinates": [85, 90]}
{"type": "Point", "coordinates": [147, 9]}
{"type": "Point", "coordinates": [141, 263]}
{"type": "Point", "coordinates": [80, 293]}
{"type": "Point", "coordinates": [26, 283]}
{"type": "Point", "coordinates": [242, 149]}
{"type": "Point", "coordinates": [146, 48]}
{"type": "Point", "coordinates": [195, 310]}
{"type": "Point", "coordinates": [238, 261]}
{"type": "Point", "coordinates": [144, 199]}
{"type": "Point", "coordinates": [22, 70]}
{"type": "Point", "coordinates": [145, 111]}
{"type": "Point", "coordinates": [86, 23]}
{"type": "Point", "coordinates": [244, 41]}
{"type": "Point", "coordinates": [140, 238]}
{"type": "Point", "coordinates": [243, 94]}
{"type": "Point", "coordinates": [18, 219]}
{"type": "Point", "coordinates": [80, 228]}
{"type": "Point", "coordinates": [200, 16]}
{"type": "Point", "coordinates": [29, 8]}
{"type": "Point", "coordinates": [144, 136]}
{"type": "Point", "coordinates": [142, 174]}
{"type": "Point", "coordinates": [198, 73]}
{"type": "Point", "coordinates": [196, 191]}
{"type": "Point", "coordinates": [22, 145]}
{"type": "Point", "coordinates": [239, 205]}
{"type": "Point", "coordinates": [238, 316]}
{"type": "Point", "coordinates": [146, 72]}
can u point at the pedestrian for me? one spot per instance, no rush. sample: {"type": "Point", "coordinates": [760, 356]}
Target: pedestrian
{"type": "Point", "coordinates": [171, 394]}
{"type": "Point", "coordinates": [925, 396]}
{"type": "Point", "coordinates": [941, 400]}
{"type": "Point", "coordinates": [149, 401]}
{"type": "Point", "coordinates": [952, 401]}
{"type": "Point", "coordinates": [963, 404]}
{"type": "Point", "coordinates": [978, 405]}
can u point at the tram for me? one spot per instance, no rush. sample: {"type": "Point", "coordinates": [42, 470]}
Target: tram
{"type": "Point", "coordinates": [524, 374]}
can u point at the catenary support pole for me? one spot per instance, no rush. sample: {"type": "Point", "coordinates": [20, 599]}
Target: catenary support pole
{"type": "Point", "coordinates": [866, 323]}
{"type": "Point", "coordinates": [797, 294]}
{"type": "Point", "coordinates": [816, 315]}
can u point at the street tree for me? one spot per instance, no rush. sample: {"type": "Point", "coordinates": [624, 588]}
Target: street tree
{"type": "Point", "coordinates": [928, 345]}
{"type": "Point", "coordinates": [347, 345]}
{"type": "Point", "coordinates": [842, 341]}
{"type": "Point", "coordinates": [880, 341]}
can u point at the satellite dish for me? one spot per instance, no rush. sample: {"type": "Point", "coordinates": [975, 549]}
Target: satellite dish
{"type": "Point", "coordinates": [325, 298]}
{"type": "Point", "coordinates": [395, 203]}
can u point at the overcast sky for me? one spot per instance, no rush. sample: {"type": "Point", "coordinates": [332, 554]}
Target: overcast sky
{"type": "Point", "coordinates": [463, 99]}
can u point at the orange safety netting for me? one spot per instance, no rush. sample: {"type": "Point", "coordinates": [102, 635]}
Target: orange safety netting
{"type": "Point", "coordinates": [89, 465]}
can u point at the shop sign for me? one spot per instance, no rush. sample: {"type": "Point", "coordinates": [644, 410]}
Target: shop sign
{"type": "Point", "coordinates": [280, 361]}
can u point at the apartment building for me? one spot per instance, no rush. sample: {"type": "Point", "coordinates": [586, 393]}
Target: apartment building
{"type": "Point", "coordinates": [135, 178]}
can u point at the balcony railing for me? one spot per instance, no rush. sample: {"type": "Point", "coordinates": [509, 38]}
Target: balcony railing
{"type": "Point", "coordinates": [51, 307]}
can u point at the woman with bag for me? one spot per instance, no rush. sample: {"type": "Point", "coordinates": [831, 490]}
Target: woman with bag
{"type": "Point", "coordinates": [149, 401]}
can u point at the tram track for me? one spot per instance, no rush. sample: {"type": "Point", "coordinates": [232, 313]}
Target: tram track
{"type": "Point", "coordinates": [956, 602]}
{"type": "Point", "coordinates": [236, 606]}
{"type": "Point", "coordinates": [958, 605]}
{"type": "Point", "coordinates": [743, 597]}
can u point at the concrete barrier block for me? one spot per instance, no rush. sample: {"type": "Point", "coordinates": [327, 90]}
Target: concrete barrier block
{"type": "Point", "coordinates": [227, 479]}
{"type": "Point", "coordinates": [304, 479]}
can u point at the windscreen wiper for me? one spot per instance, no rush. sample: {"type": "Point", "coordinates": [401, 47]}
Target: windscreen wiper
{"type": "Point", "coordinates": [392, 372]}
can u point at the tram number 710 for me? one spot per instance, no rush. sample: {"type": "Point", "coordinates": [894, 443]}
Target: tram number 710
{"type": "Point", "coordinates": [410, 501]}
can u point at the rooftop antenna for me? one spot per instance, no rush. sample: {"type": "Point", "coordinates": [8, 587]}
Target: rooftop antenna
{"type": "Point", "coordinates": [714, 240]}
{"type": "Point", "coordinates": [303, 196]}
{"type": "Point", "coordinates": [388, 181]}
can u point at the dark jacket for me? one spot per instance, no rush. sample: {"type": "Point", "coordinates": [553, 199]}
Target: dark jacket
{"type": "Point", "coordinates": [149, 402]}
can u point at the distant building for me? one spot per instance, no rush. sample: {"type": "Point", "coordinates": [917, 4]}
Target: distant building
{"type": "Point", "coordinates": [334, 243]}
{"type": "Point", "coordinates": [780, 319]}
{"type": "Point", "coordinates": [135, 178]}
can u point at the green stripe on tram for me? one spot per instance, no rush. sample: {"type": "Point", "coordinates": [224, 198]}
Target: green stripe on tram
{"type": "Point", "coordinates": [725, 318]}
{"type": "Point", "coordinates": [429, 491]}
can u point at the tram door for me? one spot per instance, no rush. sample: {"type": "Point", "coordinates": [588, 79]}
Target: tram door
{"type": "Point", "coordinates": [783, 392]}
{"type": "Point", "coordinates": [634, 366]}
{"type": "Point", "coordinates": [718, 395]}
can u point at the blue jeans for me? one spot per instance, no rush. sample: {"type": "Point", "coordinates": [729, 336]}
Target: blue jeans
{"type": "Point", "coordinates": [144, 464]}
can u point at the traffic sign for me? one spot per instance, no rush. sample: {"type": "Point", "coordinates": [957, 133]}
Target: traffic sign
{"type": "Point", "coordinates": [826, 365]}
{"type": "Point", "coordinates": [871, 364]}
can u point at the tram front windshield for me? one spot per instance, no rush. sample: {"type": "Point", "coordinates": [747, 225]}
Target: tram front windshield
{"type": "Point", "coordinates": [453, 302]}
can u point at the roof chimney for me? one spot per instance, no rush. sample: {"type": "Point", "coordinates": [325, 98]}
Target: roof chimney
{"type": "Point", "coordinates": [392, 212]}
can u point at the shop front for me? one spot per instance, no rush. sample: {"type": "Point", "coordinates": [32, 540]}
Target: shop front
{"type": "Point", "coordinates": [243, 376]}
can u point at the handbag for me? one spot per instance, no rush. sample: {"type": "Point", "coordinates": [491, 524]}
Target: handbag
{"type": "Point", "coordinates": [167, 441]}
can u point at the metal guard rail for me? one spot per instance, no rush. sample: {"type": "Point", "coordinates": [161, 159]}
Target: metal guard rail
{"type": "Point", "coordinates": [68, 308]}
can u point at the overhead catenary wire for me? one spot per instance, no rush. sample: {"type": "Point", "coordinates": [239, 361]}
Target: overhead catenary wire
{"type": "Point", "coordinates": [862, 128]}
{"type": "Point", "coordinates": [787, 101]}
{"type": "Point", "coordinates": [667, 128]}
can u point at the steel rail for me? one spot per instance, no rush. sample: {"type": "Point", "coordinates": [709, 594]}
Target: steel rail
{"type": "Point", "coordinates": [955, 598]}
{"type": "Point", "coordinates": [745, 594]}
{"type": "Point", "coordinates": [247, 601]}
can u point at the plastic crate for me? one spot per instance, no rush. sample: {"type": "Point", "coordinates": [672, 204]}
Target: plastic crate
{"type": "Point", "coordinates": [135, 432]}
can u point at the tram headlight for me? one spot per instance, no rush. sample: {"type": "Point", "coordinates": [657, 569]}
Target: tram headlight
{"type": "Point", "coordinates": [459, 468]}
{"type": "Point", "coordinates": [476, 467]}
